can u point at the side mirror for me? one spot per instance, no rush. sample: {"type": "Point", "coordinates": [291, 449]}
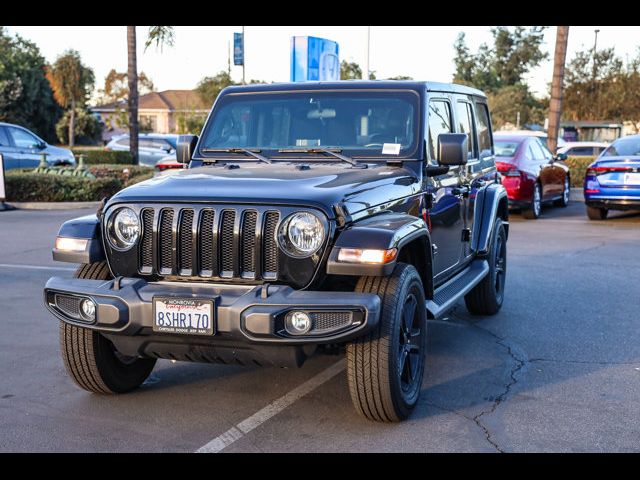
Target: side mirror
{"type": "Point", "coordinates": [452, 149]}
{"type": "Point", "coordinates": [40, 145]}
{"type": "Point", "coordinates": [560, 157]}
{"type": "Point", "coordinates": [185, 147]}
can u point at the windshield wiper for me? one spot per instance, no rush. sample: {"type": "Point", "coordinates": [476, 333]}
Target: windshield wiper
{"type": "Point", "coordinates": [333, 152]}
{"type": "Point", "coordinates": [251, 153]}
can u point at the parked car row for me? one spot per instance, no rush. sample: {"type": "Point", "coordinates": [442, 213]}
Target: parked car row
{"type": "Point", "coordinates": [152, 147]}
{"type": "Point", "coordinates": [612, 181]}
{"type": "Point", "coordinates": [531, 174]}
{"type": "Point", "coordinates": [21, 148]}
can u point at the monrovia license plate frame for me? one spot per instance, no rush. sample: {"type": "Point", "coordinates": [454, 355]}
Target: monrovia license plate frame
{"type": "Point", "coordinates": [184, 316]}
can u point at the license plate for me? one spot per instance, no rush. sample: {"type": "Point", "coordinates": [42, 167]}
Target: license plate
{"type": "Point", "coordinates": [632, 178]}
{"type": "Point", "coordinates": [188, 316]}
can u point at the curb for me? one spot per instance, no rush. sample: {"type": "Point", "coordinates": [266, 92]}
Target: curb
{"type": "Point", "coordinates": [577, 194]}
{"type": "Point", "coordinates": [53, 205]}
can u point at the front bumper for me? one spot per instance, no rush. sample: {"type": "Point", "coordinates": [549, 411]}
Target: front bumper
{"type": "Point", "coordinates": [243, 314]}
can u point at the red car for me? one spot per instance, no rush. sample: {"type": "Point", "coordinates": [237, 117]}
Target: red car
{"type": "Point", "coordinates": [531, 174]}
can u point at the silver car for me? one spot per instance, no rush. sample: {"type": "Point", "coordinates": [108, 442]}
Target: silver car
{"type": "Point", "coordinates": [152, 147]}
{"type": "Point", "coordinates": [21, 148]}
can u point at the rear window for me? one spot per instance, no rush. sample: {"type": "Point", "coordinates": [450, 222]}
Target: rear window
{"type": "Point", "coordinates": [623, 147]}
{"type": "Point", "coordinates": [506, 149]}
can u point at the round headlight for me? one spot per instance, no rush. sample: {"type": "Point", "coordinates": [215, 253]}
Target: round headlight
{"type": "Point", "coordinates": [124, 229]}
{"type": "Point", "coordinates": [301, 234]}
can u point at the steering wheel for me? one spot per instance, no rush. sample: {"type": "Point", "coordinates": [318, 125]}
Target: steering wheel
{"type": "Point", "coordinates": [373, 145]}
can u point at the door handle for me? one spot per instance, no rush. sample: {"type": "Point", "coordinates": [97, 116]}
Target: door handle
{"type": "Point", "coordinates": [464, 191]}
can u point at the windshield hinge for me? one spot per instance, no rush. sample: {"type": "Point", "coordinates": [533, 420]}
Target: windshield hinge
{"type": "Point", "coordinates": [342, 216]}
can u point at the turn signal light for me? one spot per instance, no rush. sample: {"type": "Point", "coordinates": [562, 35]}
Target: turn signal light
{"type": "Point", "coordinates": [358, 255]}
{"type": "Point", "coordinates": [68, 244]}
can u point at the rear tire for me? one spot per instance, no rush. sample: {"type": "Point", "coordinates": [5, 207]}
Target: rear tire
{"type": "Point", "coordinates": [534, 211]}
{"type": "Point", "coordinates": [595, 213]}
{"type": "Point", "coordinates": [487, 296]}
{"type": "Point", "coordinates": [91, 360]}
{"type": "Point", "coordinates": [385, 367]}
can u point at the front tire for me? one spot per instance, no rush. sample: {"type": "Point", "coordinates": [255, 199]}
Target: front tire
{"type": "Point", "coordinates": [386, 366]}
{"type": "Point", "coordinates": [595, 213]}
{"type": "Point", "coordinates": [487, 296]}
{"type": "Point", "coordinates": [91, 360]}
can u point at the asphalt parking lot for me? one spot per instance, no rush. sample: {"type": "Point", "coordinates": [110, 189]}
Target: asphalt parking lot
{"type": "Point", "coordinates": [558, 369]}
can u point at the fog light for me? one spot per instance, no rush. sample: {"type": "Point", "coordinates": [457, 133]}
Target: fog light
{"type": "Point", "coordinates": [88, 309]}
{"type": "Point", "coordinates": [297, 323]}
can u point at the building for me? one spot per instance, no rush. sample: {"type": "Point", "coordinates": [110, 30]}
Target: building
{"type": "Point", "coordinates": [158, 112]}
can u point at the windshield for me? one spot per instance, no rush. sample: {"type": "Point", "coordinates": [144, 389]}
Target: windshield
{"type": "Point", "coordinates": [357, 121]}
{"type": "Point", "coordinates": [622, 147]}
{"type": "Point", "coordinates": [506, 149]}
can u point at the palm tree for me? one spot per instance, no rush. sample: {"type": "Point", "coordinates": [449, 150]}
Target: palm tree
{"type": "Point", "coordinates": [555, 104]}
{"type": "Point", "coordinates": [160, 36]}
{"type": "Point", "coordinates": [71, 83]}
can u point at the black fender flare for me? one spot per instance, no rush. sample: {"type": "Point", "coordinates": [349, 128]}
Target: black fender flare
{"type": "Point", "coordinates": [83, 228]}
{"type": "Point", "coordinates": [491, 202]}
{"type": "Point", "coordinates": [380, 232]}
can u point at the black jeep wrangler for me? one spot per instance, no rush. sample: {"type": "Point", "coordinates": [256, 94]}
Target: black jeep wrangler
{"type": "Point", "coordinates": [310, 215]}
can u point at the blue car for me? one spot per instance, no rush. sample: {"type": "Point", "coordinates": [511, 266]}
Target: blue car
{"type": "Point", "coordinates": [612, 181]}
{"type": "Point", "coordinates": [21, 148]}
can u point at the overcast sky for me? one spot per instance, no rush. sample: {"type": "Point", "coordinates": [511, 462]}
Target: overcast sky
{"type": "Point", "coordinates": [424, 53]}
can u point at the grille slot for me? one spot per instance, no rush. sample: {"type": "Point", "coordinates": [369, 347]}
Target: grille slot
{"type": "Point", "coordinates": [166, 242]}
{"type": "Point", "coordinates": [206, 243]}
{"type": "Point", "coordinates": [186, 243]}
{"type": "Point", "coordinates": [146, 252]}
{"type": "Point", "coordinates": [328, 321]}
{"type": "Point", "coordinates": [217, 243]}
{"type": "Point", "coordinates": [248, 253]}
{"type": "Point", "coordinates": [226, 244]}
{"type": "Point", "coordinates": [270, 248]}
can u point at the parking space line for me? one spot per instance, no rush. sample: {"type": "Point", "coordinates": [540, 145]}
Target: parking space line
{"type": "Point", "coordinates": [34, 267]}
{"type": "Point", "coordinates": [241, 429]}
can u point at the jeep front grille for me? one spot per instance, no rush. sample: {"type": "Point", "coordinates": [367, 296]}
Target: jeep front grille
{"type": "Point", "coordinates": [219, 243]}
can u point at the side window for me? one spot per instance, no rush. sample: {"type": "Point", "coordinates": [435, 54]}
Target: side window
{"type": "Point", "coordinates": [4, 138]}
{"type": "Point", "coordinates": [466, 125]}
{"type": "Point", "coordinates": [545, 153]}
{"type": "Point", "coordinates": [485, 140]}
{"type": "Point", "coordinates": [439, 122]}
{"type": "Point", "coordinates": [22, 138]}
{"type": "Point", "coordinates": [145, 143]}
{"type": "Point", "coordinates": [123, 141]}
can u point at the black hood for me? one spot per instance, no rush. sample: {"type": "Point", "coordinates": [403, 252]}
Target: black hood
{"type": "Point", "coordinates": [322, 185]}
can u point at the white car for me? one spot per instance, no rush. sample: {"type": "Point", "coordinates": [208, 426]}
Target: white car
{"type": "Point", "coordinates": [582, 149]}
{"type": "Point", "coordinates": [542, 135]}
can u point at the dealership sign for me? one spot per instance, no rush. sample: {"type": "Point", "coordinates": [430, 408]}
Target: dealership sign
{"type": "Point", "coordinates": [314, 58]}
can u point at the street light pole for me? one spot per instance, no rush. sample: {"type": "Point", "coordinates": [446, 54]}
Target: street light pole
{"type": "Point", "coordinates": [244, 56]}
{"type": "Point", "coordinates": [366, 66]}
{"type": "Point", "coordinates": [593, 76]}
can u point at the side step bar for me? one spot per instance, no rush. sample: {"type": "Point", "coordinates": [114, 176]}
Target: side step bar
{"type": "Point", "coordinates": [448, 294]}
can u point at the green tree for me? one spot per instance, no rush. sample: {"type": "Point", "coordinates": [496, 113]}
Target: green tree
{"type": "Point", "coordinates": [72, 84]}
{"type": "Point", "coordinates": [209, 87]}
{"type": "Point", "coordinates": [500, 69]}
{"type": "Point", "coordinates": [26, 97]}
{"type": "Point", "coordinates": [116, 87]}
{"type": "Point", "coordinates": [163, 35]}
{"type": "Point", "coordinates": [87, 129]}
{"type": "Point", "coordinates": [599, 86]}
{"type": "Point", "coordinates": [350, 71]}
{"type": "Point", "coordinates": [513, 54]}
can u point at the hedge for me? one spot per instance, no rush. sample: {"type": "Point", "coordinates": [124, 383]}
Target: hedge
{"type": "Point", "coordinates": [94, 156]}
{"type": "Point", "coordinates": [578, 168]}
{"type": "Point", "coordinates": [41, 187]}
{"type": "Point", "coordinates": [125, 173]}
